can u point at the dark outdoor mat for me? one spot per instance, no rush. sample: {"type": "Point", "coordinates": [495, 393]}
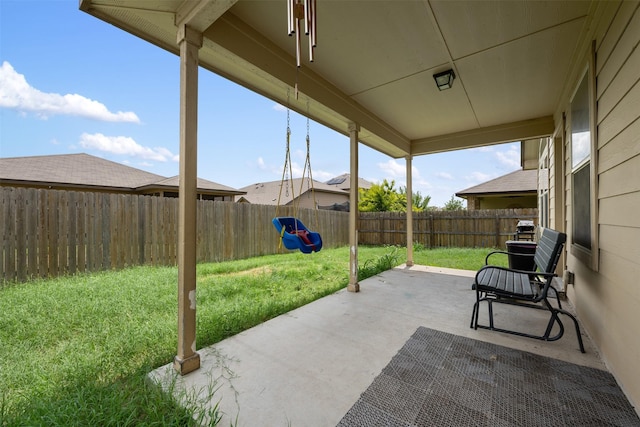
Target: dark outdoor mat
{"type": "Point", "coordinates": [439, 379]}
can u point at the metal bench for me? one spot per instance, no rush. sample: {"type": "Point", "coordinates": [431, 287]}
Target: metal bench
{"type": "Point", "coordinates": [525, 288]}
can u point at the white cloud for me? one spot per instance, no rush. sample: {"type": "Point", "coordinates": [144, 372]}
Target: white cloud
{"type": "Point", "coordinates": [422, 186]}
{"type": "Point", "coordinates": [126, 146]}
{"type": "Point", "coordinates": [393, 169]}
{"type": "Point", "coordinates": [318, 175]}
{"type": "Point", "coordinates": [509, 157]}
{"type": "Point", "coordinates": [279, 107]}
{"type": "Point", "coordinates": [296, 170]}
{"type": "Point", "coordinates": [261, 164]}
{"type": "Point", "coordinates": [323, 176]}
{"type": "Point", "coordinates": [483, 149]}
{"type": "Point", "coordinates": [18, 94]}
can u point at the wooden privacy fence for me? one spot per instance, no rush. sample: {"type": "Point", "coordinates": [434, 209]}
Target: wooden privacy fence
{"type": "Point", "coordinates": [47, 233]}
{"type": "Point", "coordinates": [473, 228]}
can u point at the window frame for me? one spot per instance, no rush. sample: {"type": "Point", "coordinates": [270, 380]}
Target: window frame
{"type": "Point", "coordinates": [544, 206]}
{"type": "Point", "coordinates": [588, 256]}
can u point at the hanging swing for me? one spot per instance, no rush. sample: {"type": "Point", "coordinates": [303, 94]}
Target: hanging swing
{"type": "Point", "coordinates": [293, 233]}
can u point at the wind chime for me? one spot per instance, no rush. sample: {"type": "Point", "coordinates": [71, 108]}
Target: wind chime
{"type": "Point", "coordinates": [298, 10]}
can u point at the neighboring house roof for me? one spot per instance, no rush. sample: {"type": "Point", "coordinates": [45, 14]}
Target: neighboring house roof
{"type": "Point", "coordinates": [266, 193]}
{"type": "Point", "coordinates": [343, 182]}
{"type": "Point", "coordinates": [86, 171]}
{"type": "Point", "coordinates": [520, 181]}
{"type": "Point", "coordinates": [74, 169]}
{"type": "Point", "coordinates": [203, 185]}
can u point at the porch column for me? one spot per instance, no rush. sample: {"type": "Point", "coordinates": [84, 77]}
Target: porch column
{"type": "Point", "coordinates": [353, 286]}
{"type": "Point", "coordinates": [409, 185]}
{"type": "Point", "coordinates": [190, 41]}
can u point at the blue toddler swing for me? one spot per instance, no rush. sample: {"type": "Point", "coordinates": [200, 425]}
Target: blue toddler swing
{"type": "Point", "coordinates": [293, 233]}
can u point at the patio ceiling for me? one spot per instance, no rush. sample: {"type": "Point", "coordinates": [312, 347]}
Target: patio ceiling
{"type": "Point", "coordinates": [375, 61]}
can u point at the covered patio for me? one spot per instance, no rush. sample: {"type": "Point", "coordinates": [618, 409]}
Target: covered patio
{"type": "Point", "coordinates": [404, 78]}
{"type": "Point", "coordinates": [310, 366]}
{"type": "Point", "coordinates": [514, 68]}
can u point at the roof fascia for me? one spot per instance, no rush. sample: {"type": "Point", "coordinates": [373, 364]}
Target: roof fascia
{"type": "Point", "coordinates": [200, 190]}
{"type": "Point", "coordinates": [500, 194]}
{"type": "Point", "coordinates": [64, 186]}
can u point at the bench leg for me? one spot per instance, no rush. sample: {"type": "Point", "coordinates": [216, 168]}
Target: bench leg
{"type": "Point", "coordinates": [474, 317]}
{"type": "Point", "coordinates": [555, 316]}
{"type": "Point", "coordinates": [475, 313]}
{"type": "Point", "coordinates": [575, 322]}
{"type": "Point", "coordinates": [553, 319]}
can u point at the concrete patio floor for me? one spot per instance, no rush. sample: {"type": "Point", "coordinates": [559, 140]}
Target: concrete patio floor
{"type": "Point", "coordinates": [309, 366]}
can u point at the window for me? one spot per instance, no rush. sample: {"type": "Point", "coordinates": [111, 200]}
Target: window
{"type": "Point", "coordinates": [581, 165]}
{"type": "Point", "coordinates": [583, 158]}
{"type": "Point", "coordinates": [543, 183]}
{"type": "Point", "coordinates": [543, 209]}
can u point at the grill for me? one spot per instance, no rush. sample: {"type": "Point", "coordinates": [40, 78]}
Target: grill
{"type": "Point", "coordinates": [524, 230]}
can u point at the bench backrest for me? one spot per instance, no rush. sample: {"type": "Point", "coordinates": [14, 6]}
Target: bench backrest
{"type": "Point", "coordinates": [549, 250]}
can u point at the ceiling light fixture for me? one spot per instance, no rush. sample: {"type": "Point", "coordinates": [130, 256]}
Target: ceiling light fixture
{"type": "Point", "coordinates": [444, 80]}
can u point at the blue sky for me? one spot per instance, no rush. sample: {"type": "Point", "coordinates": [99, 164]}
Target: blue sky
{"type": "Point", "coordinates": [70, 83]}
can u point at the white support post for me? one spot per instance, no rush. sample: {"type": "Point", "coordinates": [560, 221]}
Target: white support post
{"type": "Point", "coordinates": [353, 286]}
{"type": "Point", "coordinates": [187, 359]}
{"type": "Point", "coordinates": [409, 185]}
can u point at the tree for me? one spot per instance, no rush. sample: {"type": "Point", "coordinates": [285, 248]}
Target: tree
{"type": "Point", "coordinates": [420, 203]}
{"type": "Point", "coordinates": [385, 198]}
{"type": "Point", "coordinates": [382, 198]}
{"type": "Point", "coordinates": [453, 205]}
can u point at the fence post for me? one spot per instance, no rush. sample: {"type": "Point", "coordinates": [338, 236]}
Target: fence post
{"type": "Point", "coordinates": [497, 245]}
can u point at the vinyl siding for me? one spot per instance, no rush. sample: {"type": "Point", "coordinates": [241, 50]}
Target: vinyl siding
{"type": "Point", "coordinates": [608, 301]}
{"type": "Point", "coordinates": [322, 199]}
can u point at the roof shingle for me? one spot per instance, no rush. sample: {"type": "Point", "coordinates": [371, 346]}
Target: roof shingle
{"type": "Point", "coordinates": [84, 170]}
{"type": "Point", "coordinates": [520, 181]}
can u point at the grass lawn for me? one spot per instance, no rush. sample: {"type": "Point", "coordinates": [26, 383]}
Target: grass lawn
{"type": "Point", "coordinates": [76, 350]}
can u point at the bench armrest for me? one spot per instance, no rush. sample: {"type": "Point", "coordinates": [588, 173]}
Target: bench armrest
{"type": "Point", "coordinates": [486, 259]}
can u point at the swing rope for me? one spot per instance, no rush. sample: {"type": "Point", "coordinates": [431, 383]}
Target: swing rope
{"type": "Point", "coordinates": [307, 168]}
{"type": "Point", "coordinates": [304, 240]}
{"type": "Point", "coordinates": [287, 174]}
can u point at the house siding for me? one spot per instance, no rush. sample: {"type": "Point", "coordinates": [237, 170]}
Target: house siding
{"type": "Point", "coordinates": [608, 300]}
{"type": "Point", "coordinates": [321, 198]}
{"type": "Point", "coordinates": [508, 202]}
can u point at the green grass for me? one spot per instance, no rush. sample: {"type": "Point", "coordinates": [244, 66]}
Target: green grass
{"type": "Point", "coordinates": [76, 350]}
{"type": "Point", "coordinates": [461, 258]}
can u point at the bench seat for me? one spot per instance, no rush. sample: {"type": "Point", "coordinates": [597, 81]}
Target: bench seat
{"type": "Point", "coordinates": [507, 282]}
